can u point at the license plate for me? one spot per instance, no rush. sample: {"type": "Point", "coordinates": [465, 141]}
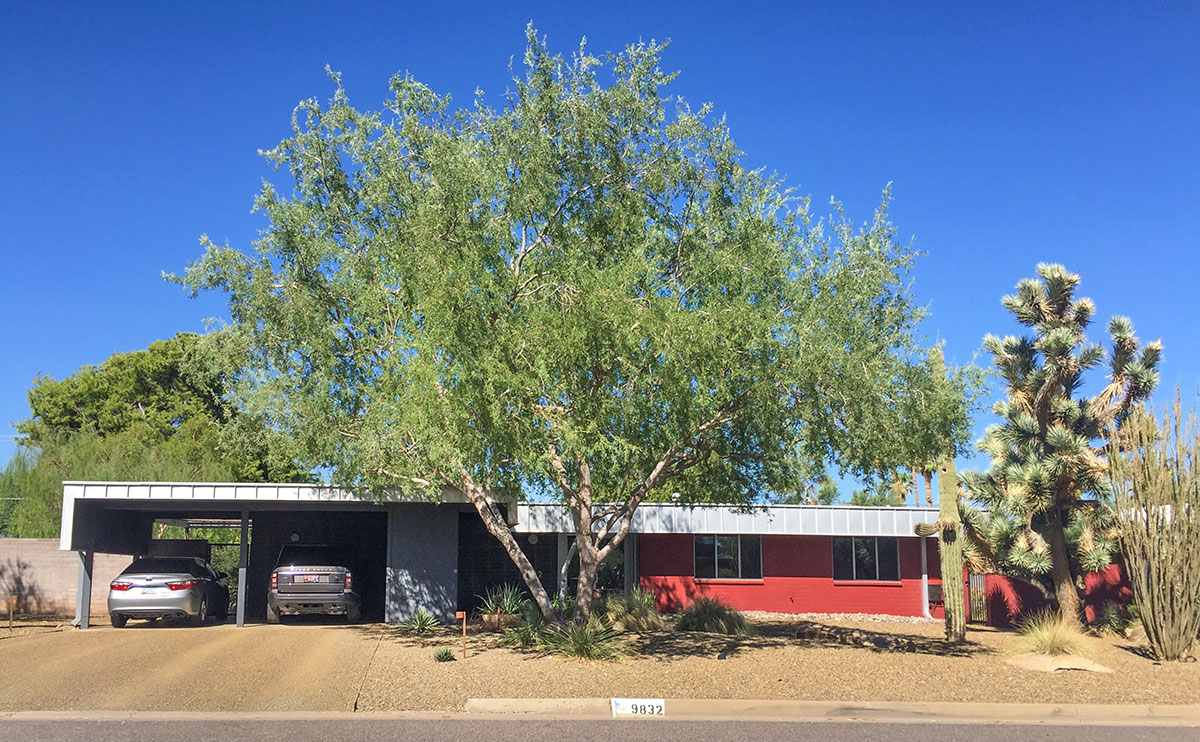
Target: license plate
{"type": "Point", "coordinates": [312, 578]}
{"type": "Point", "coordinates": [153, 590]}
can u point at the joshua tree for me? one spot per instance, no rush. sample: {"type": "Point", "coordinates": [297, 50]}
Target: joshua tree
{"type": "Point", "coordinates": [1048, 483]}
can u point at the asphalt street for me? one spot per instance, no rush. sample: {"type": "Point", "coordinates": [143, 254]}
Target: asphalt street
{"type": "Point", "coordinates": [456, 730]}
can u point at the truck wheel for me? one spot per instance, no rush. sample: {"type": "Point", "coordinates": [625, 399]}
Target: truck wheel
{"type": "Point", "coordinates": [272, 615]}
{"type": "Point", "coordinates": [117, 620]}
{"type": "Point", "coordinates": [353, 615]}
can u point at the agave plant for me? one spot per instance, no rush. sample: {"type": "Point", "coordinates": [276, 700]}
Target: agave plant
{"type": "Point", "coordinates": [421, 622]}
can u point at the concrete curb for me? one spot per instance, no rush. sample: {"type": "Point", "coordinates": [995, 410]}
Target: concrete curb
{"type": "Point", "coordinates": [701, 709]}
{"type": "Point", "coordinates": [810, 711]}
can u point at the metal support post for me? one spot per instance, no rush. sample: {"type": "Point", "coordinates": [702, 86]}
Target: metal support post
{"type": "Point", "coordinates": [83, 591]}
{"type": "Point", "coordinates": [243, 552]}
{"type": "Point", "coordinates": [924, 577]}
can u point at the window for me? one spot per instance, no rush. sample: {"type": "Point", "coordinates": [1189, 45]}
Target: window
{"type": "Point", "coordinates": [858, 558]}
{"type": "Point", "coordinates": [728, 557]}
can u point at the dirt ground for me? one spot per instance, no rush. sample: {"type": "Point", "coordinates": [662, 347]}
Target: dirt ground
{"type": "Point", "coordinates": [164, 666]}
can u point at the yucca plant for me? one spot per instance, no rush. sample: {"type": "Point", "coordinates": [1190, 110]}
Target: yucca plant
{"type": "Point", "coordinates": [564, 605]}
{"type": "Point", "coordinates": [711, 616]}
{"type": "Point", "coordinates": [421, 622]}
{"type": "Point", "coordinates": [506, 598]}
{"type": "Point", "coordinates": [633, 613]}
{"type": "Point", "coordinates": [594, 639]}
{"type": "Point", "coordinates": [530, 633]}
{"type": "Point", "coordinates": [1111, 619]}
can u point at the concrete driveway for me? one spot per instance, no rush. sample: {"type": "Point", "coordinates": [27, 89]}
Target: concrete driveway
{"type": "Point", "coordinates": [160, 666]}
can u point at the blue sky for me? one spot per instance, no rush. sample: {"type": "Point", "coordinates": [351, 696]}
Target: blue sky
{"type": "Point", "coordinates": [1011, 136]}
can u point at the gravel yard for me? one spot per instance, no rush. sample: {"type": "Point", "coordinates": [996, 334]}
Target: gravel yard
{"type": "Point", "coordinates": [772, 665]}
{"type": "Point", "coordinates": [377, 668]}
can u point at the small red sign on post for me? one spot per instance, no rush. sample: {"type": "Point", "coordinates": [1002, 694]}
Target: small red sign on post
{"type": "Point", "coordinates": [462, 615]}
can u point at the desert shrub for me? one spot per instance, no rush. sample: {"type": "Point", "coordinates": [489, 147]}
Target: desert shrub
{"type": "Point", "coordinates": [1047, 632]}
{"type": "Point", "coordinates": [443, 655]}
{"type": "Point", "coordinates": [1111, 618]}
{"type": "Point", "coordinates": [506, 598]}
{"type": "Point", "coordinates": [714, 617]}
{"type": "Point", "coordinates": [421, 622]}
{"type": "Point", "coordinates": [633, 613]}
{"type": "Point", "coordinates": [592, 640]}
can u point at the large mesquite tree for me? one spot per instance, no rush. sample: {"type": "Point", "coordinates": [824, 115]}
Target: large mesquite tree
{"type": "Point", "coordinates": [581, 294]}
{"type": "Point", "coordinates": [1048, 491]}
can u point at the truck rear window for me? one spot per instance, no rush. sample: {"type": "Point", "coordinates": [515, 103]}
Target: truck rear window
{"type": "Point", "coordinates": [307, 554]}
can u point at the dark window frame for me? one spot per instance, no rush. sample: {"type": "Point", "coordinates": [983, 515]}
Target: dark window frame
{"type": "Point", "coordinates": [715, 557]}
{"type": "Point", "coordinates": [853, 564]}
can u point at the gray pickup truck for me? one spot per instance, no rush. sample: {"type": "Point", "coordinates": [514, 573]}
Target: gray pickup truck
{"type": "Point", "coordinates": [313, 579]}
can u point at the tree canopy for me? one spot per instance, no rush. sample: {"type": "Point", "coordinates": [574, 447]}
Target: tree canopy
{"type": "Point", "coordinates": [158, 414]}
{"type": "Point", "coordinates": [581, 293]}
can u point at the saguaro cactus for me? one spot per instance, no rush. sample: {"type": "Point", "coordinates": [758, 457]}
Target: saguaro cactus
{"type": "Point", "coordinates": [948, 530]}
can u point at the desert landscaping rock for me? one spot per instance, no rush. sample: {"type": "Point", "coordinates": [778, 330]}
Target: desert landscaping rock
{"type": "Point", "coordinates": [1055, 663]}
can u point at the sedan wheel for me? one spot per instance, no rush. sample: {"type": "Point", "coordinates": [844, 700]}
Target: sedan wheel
{"type": "Point", "coordinates": [117, 620]}
{"type": "Point", "coordinates": [202, 616]}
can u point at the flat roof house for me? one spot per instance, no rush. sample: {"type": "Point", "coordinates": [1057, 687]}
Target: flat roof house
{"type": "Point", "coordinates": [780, 558]}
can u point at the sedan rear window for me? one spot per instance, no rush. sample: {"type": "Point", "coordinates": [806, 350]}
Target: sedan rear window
{"type": "Point", "coordinates": [312, 555]}
{"type": "Point", "coordinates": [161, 565]}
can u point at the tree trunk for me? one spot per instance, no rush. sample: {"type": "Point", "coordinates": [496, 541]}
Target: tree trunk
{"type": "Point", "coordinates": [1065, 591]}
{"type": "Point", "coordinates": [950, 551]}
{"type": "Point", "coordinates": [928, 474]}
{"type": "Point", "coordinates": [489, 512]}
{"type": "Point", "coordinates": [585, 588]}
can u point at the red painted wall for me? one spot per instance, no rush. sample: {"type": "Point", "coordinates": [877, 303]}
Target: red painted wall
{"type": "Point", "coordinates": [1010, 600]}
{"type": "Point", "coordinates": [797, 578]}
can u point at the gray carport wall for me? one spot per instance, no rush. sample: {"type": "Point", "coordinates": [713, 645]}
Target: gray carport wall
{"type": "Point", "coordinates": [116, 517]}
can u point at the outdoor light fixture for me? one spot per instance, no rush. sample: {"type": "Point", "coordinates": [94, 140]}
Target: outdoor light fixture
{"type": "Point", "coordinates": [294, 537]}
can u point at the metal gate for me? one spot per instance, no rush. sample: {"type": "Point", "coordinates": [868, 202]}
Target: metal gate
{"type": "Point", "coordinates": [977, 607]}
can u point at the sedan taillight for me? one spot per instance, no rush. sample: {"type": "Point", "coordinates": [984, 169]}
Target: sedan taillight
{"type": "Point", "coordinates": [274, 580]}
{"type": "Point", "coordinates": [347, 580]}
{"type": "Point", "coordinates": [120, 585]}
{"type": "Point", "coordinates": [181, 584]}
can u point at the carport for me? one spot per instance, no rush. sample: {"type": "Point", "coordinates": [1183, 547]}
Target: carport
{"type": "Point", "coordinates": [410, 548]}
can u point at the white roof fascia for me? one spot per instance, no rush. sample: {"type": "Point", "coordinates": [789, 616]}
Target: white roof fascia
{"type": "Point", "coordinates": [783, 520]}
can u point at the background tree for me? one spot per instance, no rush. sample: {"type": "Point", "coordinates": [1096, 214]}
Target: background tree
{"type": "Point", "coordinates": [158, 414]}
{"type": "Point", "coordinates": [1156, 477]}
{"type": "Point", "coordinates": [1048, 484]}
{"type": "Point", "coordinates": [884, 494]}
{"type": "Point", "coordinates": [582, 294]}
